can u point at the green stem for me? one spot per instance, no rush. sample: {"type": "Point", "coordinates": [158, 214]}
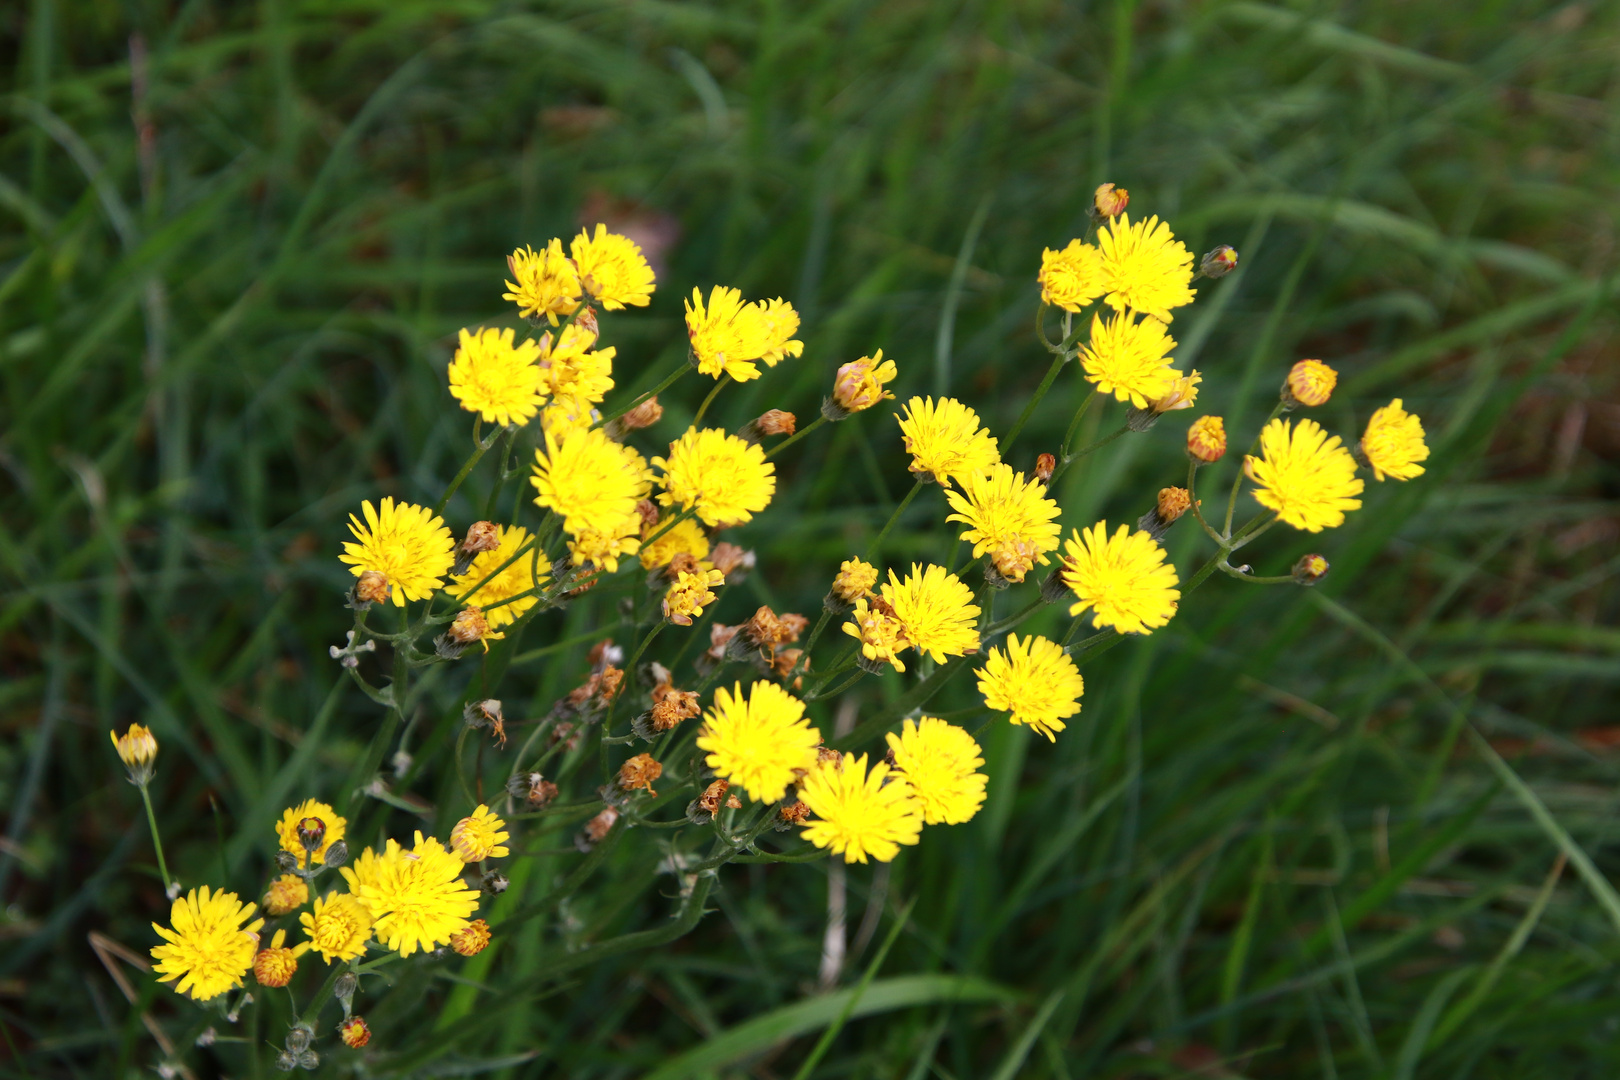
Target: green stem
{"type": "Point", "coordinates": [1192, 493]}
{"type": "Point", "coordinates": [704, 408]}
{"type": "Point", "coordinates": [157, 841]}
{"type": "Point", "coordinates": [1040, 391]}
{"type": "Point", "coordinates": [1069, 459]}
{"type": "Point", "coordinates": [321, 995]}
{"type": "Point", "coordinates": [795, 437]}
{"type": "Point", "coordinates": [877, 543]}
{"type": "Point", "coordinates": [500, 475]}
{"type": "Point", "coordinates": [482, 446]}
{"type": "Point", "coordinates": [1237, 481]}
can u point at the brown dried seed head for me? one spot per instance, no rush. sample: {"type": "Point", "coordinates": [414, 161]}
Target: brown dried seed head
{"type": "Point", "coordinates": [795, 813]}
{"type": "Point", "coordinates": [647, 510]}
{"type": "Point", "coordinates": [709, 801]}
{"type": "Point", "coordinates": [481, 536]}
{"type": "Point", "coordinates": [640, 772]}
{"type": "Point", "coordinates": [1173, 502]}
{"type": "Point", "coordinates": [645, 415]}
{"type": "Point", "coordinates": [1015, 558]}
{"type": "Point", "coordinates": [683, 562]}
{"type": "Point", "coordinates": [586, 321]}
{"type": "Point", "coordinates": [1045, 466]}
{"type": "Point", "coordinates": [468, 626]}
{"type": "Point", "coordinates": [729, 558]}
{"type": "Point", "coordinates": [609, 683]}
{"type": "Point", "coordinates": [599, 652]}
{"type": "Point", "coordinates": [733, 803]}
{"type": "Point", "coordinates": [597, 828]}
{"type": "Point", "coordinates": [777, 422]}
{"type": "Point", "coordinates": [541, 792]}
{"type": "Point", "coordinates": [372, 588]}
{"type": "Point", "coordinates": [719, 637]}
{"type": "Point", "coordinates": [825, 754]}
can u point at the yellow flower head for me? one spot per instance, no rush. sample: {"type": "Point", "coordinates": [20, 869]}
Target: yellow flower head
{"type": "Point", "coordinates": [859, 384]}
{"type": "Point", "coordinates": [727, 335]}
{"type": "Point", "coordinates": [208, 949]}
{"type": "Point", "coordinates": [287, 893]}
{"type": "Point", "coordinates": [945, 440]}
{"type": "Point", "coordinates": [1123, 579]}
{"type": "Point", "coordinates": [685, 537]}
{"type": "Point", "coordinates": [417, 897]}
{"type": "Point", "coordinates": [855, 579]}
{"type": "Point", "coordinates": [1182, 394]}
{"type": "Point", "coordinates": [725, 479]}
{"type": "Point", "coordinates": [778, 322]}
{"type": "Point", "coordinates": [287, 829]}
{"type": "Point", "coordinates": [1034, 681]}
{"type": "Point", "coordinates": [1008, 516]}
{"type": "Point", "coordinates": [471, 940]}
{"type": "Point", "coordinates": [857, 814]}
{"type": "Point", "coordinates": [1393, 444]}
{"type": "Point", "coordinates": [571, 370]}
{"type": "Point", "coordinates": [592, 481]}
{"type": "Point", "coordinates": [880, 634]}
{"type": "Point", "coordinates": [605, 548]}
{"type": "Point", "coordinates": [938, 761]}
{"type": "Point", "coordinates": [1130, 359]}
{"type": "Point", "coordinates": [496, 379]}
{"type": "Point", "coordinates": [1071, 278]}
{"type": "Point", "coordinates": [1305, 475]}
{"type": "Point", "coordinates": [1206, 439]}
{"type": "Point", "coordinates": [275, 966]}
{"type": "Point", "coordinates": [338, 927]}
{"type": "Point", "coordinates": [528, 572]}
{"type": "Point", "coordinates": [1310, 382]}
{"type": "Point", "coordinates": [612, 269]}
{"type": "Point", "coordinates": [546, 284]}
{"type": "Point", "coordinates": [937, 611]}
{"type": "Point", "coordinates": [690, 594]}
{"type": "Point", "coordinates": [1144, 268]}
{"type": "Point", "coordinates": [479, 836]}
{"type": "Point", "coordinates": [761, 742]}
{"type": "Point", "coordinates": [409, 545]}
{"type": "Point", "coordinates": [137, 748]}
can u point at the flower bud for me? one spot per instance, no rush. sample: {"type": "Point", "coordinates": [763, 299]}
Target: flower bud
{"type": "Point", "coordinates": [1172, 503]}
{"type": "Point", "coordinates": [1183, 394]}
{"type": "Point", "coordinates": [286, 1062]}
{"type": "Point", "coordinates": [286, 860]}
{"type": "Point", "coordinates": [1309, 382]}
{"type": "Point", "coordinates": [770, 422]}
{"type": "Point", "coordinates": [311, 831]}
{"type": "Point", "coordinates": [1206, 439]}
{"type": "Point", "coordinates": [471, 939]}
{"type": "Point", "coordinates": [1053, 587]}
{"type": "Point", "coordinates": [1310, 569]}
{"type": "Point", "coordinates": [468, 626]}
{"type": "Point", "coordinates": [1011, 560]}
{"type": "Point", "coordinates": [345, 987]}
{"type": "Point", "coordinates": [337, 854]}
{"type": "Point", "coordinates": [1219, 262]}
{"type": "Point", "coordinates": [298, 1039]}
{"type": "Point", "coordinates": [372, 588]}
{"type": "Point", "coordinates": [859, 385]}
{"type": "Point", "coordinates": [596, 829]}
{"type": "Point", "coordinates": [1109, 201]}
{"type": "Point", "coordinates": [275, 966]}
{"type": "Point", "coordinates": [647, 511]}
{"type": "Point", "coordinates": [309, 1061]}
{"type": "Point", "coordinates": [287, 893]}
{"type": "Point", "coordinates": [137, 749]}
{"type": "Point", "coordinates": [354, 1032]}
{"type": "Point", "coordinates": [645, 415]}
{"type": "Point", "coordinates": [732, 561]}
{"type": "Point", "coordinates": [1045, 466]}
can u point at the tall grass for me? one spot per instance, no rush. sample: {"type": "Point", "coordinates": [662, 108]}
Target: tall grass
{"type": "Point", "coordinates": [1358, 832]}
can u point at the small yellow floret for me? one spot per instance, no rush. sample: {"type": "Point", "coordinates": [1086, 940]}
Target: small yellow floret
{"type": "Point", "coordinates": [417, 897]}
{"type": "Point", "coordinates": [208, 949]}
{"type": "Point", "coordinates": [1130, 359]}
{"type": "Point", "coordinates": [760, 742]}
{"type": "Point", "coordinates": [939, 761]}
{"type": "Point", "coordinates": [612, 269]}
{"type": "Point", "coordinates": [1007, 516]}
{"type": "Point", "coordinates": [592, 481]}
{"type": "Point", "coordinates": [689, 594]}
{"type": "Point", "coordinates": [572, 371]}
{"type": "Point", "coordinates": [882, 638]}
{"type": "Point", "coordinates": [860, 383]}
{"type": "Point", "coordinates": [275, 966]}
{"type": "Point", "coordinates": [1122, 579]}
{"type": "Point", "coordinates": [479, 836]}
{"type": "Point", "coordinates": [547, 283]}
{"type": "Point", "coordinates": [495, 378]}
{"type": "Point", "coordinates": [408, 545]}
{"type": "Point", "coordinates": [723, 478]}
{"type": "Point", "coordinates": [945, 440]}
{"type": "Point", "coordinates": [1305, 475]}
{"type": "Point", "coordinates": [606, 547]}
{"type": "Point", "coordinates": [778, 322]}
{"type": "Point", "coordinates": [936, 610]}
{"type": "Point", "coordinates": [1393, 444]}
{"type": "Point", "coordinates": [338, 927]}
{"type": "Point", "coordinates": [857, 814]}
{"type": "Point", "coordinates": [1071, 278]}
{"type": "Point", "coordinates": [1144, 267]}
{"type": "Point", "coordinates": [1034, 681]}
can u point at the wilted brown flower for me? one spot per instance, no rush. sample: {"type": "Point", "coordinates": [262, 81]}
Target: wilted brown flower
{"type": "Point", "coordinates": [795, 812]}
{"type": "Point", "coordinates": [730, 559]}
{"type": "Point", "coordinates": [640, 772]}
{"type": "Point", "coordinates": [709, 801]}
{"type": "Point", "coordinates": [372, 588]}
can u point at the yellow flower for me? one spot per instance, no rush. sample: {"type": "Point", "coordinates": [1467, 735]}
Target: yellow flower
{"type": "Point", "coordinates": [592, 481]}
{"type": "Point", "coordinates": [1306, 476]}
{"type": "Point", "coordinates": [287, 893]}
{"type": "Point", "coordinates": [1206, 439]}
{"type": "Point", "coordinates": [496, 379]}
{"type": "Point", "coordinates": [855, 579]}
{"type": "Point", "coordinates": [1034, 681]}
{"type": "Point", "coordinates": [683, 538]}
{"type": "Point", "coordinates": [417, 897]}
{"type": "Point", "coordinates": [937, 611]}
{"type": "Point", "coordinates": [409, 545]}
{"type": "Point", "coordinates": [778, 322]}
{"type": "Point", "coordinates": [612, 268]}
{"type": "Point", "coordinates": [858, 815]}
{"type": "Point", "coordinates": [938, 761]}
{"type": "Point", "coordinates": [945, 440]}
{"type": "Point", "coordinates": [137, 748]}
{"type": "Point", "coordinates": [338, 927]}
{"type": "Point", "coordinates": [1310, 382]}
{"type": "Point", "coordinates": [605, 548]}
{"type": "Point", "coordinates": [1008, 516]}
{"type": "Point", "coordinates": [208, 949]}
{"type": "Point", "coordinates": [1130, 359]}
{"type": "Point", "coordinates": [547, 283]}
{"type": "Point", "coordinates": [689, 595]}
{"type": "Point", "coordinates": [1071, 278]}
{"type": "Point", "coordinates": [724, 478]}
{"type": "Point", "coordinates": [859, 384]}
{"type": "Point", "coordinates": [760, 742]}
{"type": "Point", "coordinates": [1182, 394]}
{"type": "Point", "coordinates": [566, 415]}
{"type": "Point", "coordinates": [287, 828]}
{"type": "Point", "coordinates": [880, 634]}
{"type": "Point", "coordinates": [1123, 579]}
{"type": "Point", "coordinates": [727, 335]}
{"type": "Point", "coordinates": [528, 572]}
{"type": "Point", "coordinates": [1393, 444]}
{"type": "Point", "coordinates": [1144, 268]}
{"type": "Point", "coordinates": [274, 967]}
{"type": "Point", "coordinates": [571, 370]}
{"type": "Point", "coordinates": [479, 836]}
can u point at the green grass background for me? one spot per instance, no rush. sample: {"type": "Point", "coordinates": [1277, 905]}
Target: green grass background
{"type": "Point", "coordinates": [237, 239]}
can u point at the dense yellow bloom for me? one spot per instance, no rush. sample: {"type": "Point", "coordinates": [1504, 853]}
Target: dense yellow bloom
{"type": "Point", "coordinates": [726, 480]}
{"type": "Point", "coordinates": [612, 268]}
{"type": "Point", "coordinates": [287, 828]}
{"type": "Point", "coordinates": [937, 611]}
{"type": "Point", "coordinates": [1310, 382]}
{"type": "Point", "coordinates": [1305, 475]}
{"type": "Point", "coordinates": [208, 949]}
{"type": "Point", "coordinates": [1034, 681]}
{"type": "Point", "coordinates": [528, 572]}
{"type": "Point", "coordinates": [1393, 444]}
{"type": "Point", "coordinates": [1071, 278]}
{"type": "Point", "coordinates": [409, 545]}
{"type": "Point", "coordinates": [1123, 579]}
{"type": "Point", "coordinates": [338, 927]}
{"type": "Point", "coordinates": [945, 440]}
{"type": "Point", "coordinates": [416, 897]}
{"type": "Point", "coordinates": [495, 378]}
{"type": "Point", "coordinates": [858, 815]}
{"type": "Point", "coordinates": [859, 384]}
{"type": "Point", "coordinates": [287, 893]}
{"type": "Point", "coordinates": [727, 335]}
{"type": "Point", "coordinates": [1130, 359]}
{"type": "Point", "coordinates": [939, 761]}
{"type": "Point", "coordinates": [1008, 516]}
{"type": "Point", "coordinates": [855, 579]}
{"type": "Point", "coordinates": [1182, 394]}
{"type": "Point", "coordinates": [881, 636]}
{"type": "Point", "coordinates": [689, 594]}
{"type": "Point", "coordinates": [760, 742]}
{"type": "Point", "coordinates": [604, 548]}
{"type": "Point", "coordinates": [1144, 268]}
{"type": "Point", "coordinates": [571, 370]}
{"type": "Point", "coordinates": [778, 322]}
{"type": "Point", "coordinates": [685, 537]}
{"type": "Point", "coordinates": [479, 836]}
{"type": "Point", "coordinates": [592, 481]}
{"type": "Point", "coordinates": [547, 283]}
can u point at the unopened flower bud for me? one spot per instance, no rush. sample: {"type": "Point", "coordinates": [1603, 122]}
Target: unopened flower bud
{"type": "Point", "coordinates": [859, 385]}
{"type": "Point", "coordinates": [494, 882]}
{"type": "Point", "coordinates": [311, 831]}
{"type": "Point", "coordinates": [1045, 466]}
{"type": "Point", "coordinates": [468, 626]}
{"type": "Point", "coordinates": [596, 829]}
{"type": "Point", "coordinates": [1309, 382]}
{"type": "Point", "coordinates": [286, 1062]}
{"type": "Point", "coordinates": [1053, 587]}
{"type": "Point", "coordinates": [1310, 569]}
{"type": "Point", "coordinates": [137, 749]}
{"type": "Point", "coordinates": [337, 854]}
{"type": "Point", "coordinates": [770, 422]}
{"type": "Point", "coordinates": [471, 939]}
{"type": "Point", "coordinates": [345, 987]}
{"type": "Point", "coordinates": [645, 415]}
{"type": "Point", "coordinates": [1109, 201]}
{"type": "Point", "coordinates": [1172, 503]}
{"type": "Point", "coordinates": [372, 588]}
{"type": "Point", "coordinates": [286, 860]}
{"type": "Point", "coordinates": [1206, 439]}
{"type": "Point", "coordinates": [1219, 262]}
{"type": "Point", "coordinates": [354, 1032]}
{"type": "Point", "coordinates": [1182, 394]}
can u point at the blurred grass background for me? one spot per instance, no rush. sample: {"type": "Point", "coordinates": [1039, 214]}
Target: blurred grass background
{"type": "Point", "coordinates": [236, 241]}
